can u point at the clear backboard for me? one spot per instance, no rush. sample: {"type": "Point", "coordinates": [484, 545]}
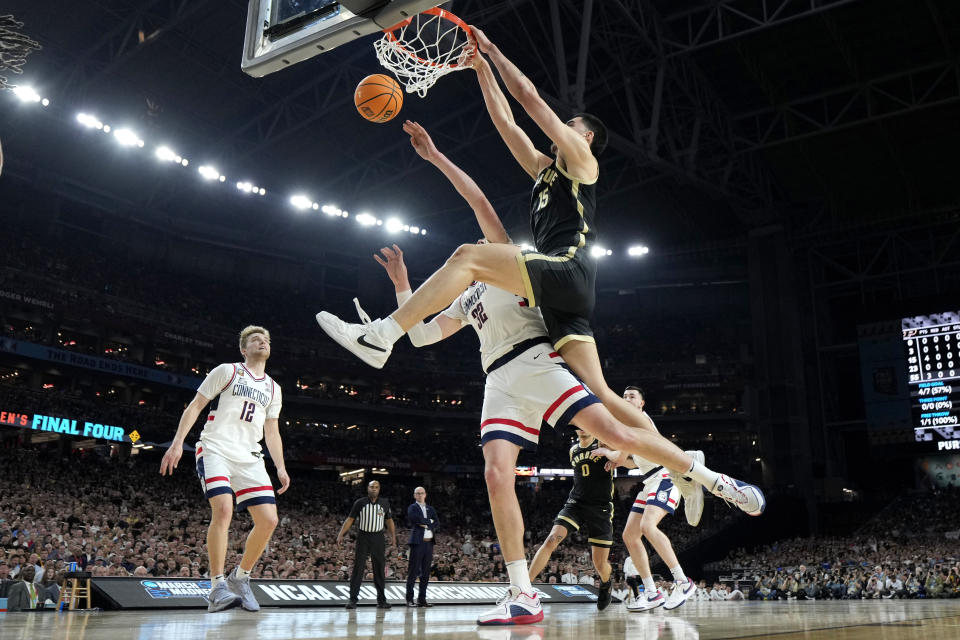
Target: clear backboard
{"type": "Point", "coordinates": [281, 33]}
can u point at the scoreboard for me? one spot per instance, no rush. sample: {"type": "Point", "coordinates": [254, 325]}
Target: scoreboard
{"type": "Point", "coordinates": [932, 345]}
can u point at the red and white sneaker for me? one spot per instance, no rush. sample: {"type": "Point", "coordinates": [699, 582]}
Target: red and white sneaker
{"type": "Point", "coordinates": [516, 607]}
{"type": "Point", "coordinates": [680, 593]}
{"type": "Point", "coordinates": [647, 601]}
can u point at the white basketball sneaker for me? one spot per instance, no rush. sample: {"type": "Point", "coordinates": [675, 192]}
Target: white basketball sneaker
{"type": "Point", "coordinates": [362, 340]}
{"type": "Point", "coordinates": [691, 491]}
{"type": "Point", "coordinates": [241, 587]}
{"type": "Point", "coordinates": [516, 607]}
{"type": "Point", "coordinates": [221, 598]}
{"type": "Point", "coordinates": [680, 593]}
{"type": "Point", "coordinates": [647, 602]}
{"type": "Point", "coordinates": [742, 495]}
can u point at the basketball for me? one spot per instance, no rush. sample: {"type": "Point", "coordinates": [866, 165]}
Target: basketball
{"type": "Point", "coordinates": [378, 98]}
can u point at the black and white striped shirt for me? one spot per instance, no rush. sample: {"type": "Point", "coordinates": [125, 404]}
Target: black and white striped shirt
{"type": "Point", "coordinates": [370, 516]}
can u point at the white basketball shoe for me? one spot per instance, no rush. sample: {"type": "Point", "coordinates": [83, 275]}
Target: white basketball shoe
{"type": "Point", "coordinates": [680, 593]}
{"type": "Point", "coordinates": [647, 602]}
{"type": "Point", "coordinates": [742, 495]}
{"type": "Point", "coordinates": [516, 607]}
{"type": "Point", "coordinates": [362, 340]}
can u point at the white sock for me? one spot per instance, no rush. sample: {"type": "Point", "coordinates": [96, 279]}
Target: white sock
{"type": "Point", "coordinates": [519, 575]}
{"type": "Point", "coordinates": [649, 585]}
{"type": "Point", "coordinates": [389, 330]}
{"type": "Point", "coordinates": [678, 574]}
{"type": "Point", "coordinates": [242, 573]}
{"type": "Point", "coordinates": [703, 475]}
{"type": "Point", "coordinates": [215, 580]}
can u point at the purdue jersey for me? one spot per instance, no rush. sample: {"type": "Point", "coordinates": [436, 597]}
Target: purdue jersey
{"type": "Point", "coordinates": [501, 319]}
{"type": "Point", "coordinates": [239, 405]}
{"type": "Point", "coordinates": [562, 213]}
{"type": "Point", "coordinates": [592, 484]}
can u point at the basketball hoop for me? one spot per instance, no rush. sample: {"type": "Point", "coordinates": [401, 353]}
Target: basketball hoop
{"type": "Point", "coordinates": [425, 47]}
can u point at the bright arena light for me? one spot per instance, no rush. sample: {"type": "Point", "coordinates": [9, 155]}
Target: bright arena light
{"type": "Point", "coordinates": [366, 219]}
{"type": "Point", "coordinates": [524, 246]}
{"type": "Point", "coordinates": [414, 230]}
{"type": "Point", "coordinates": [209, 173]}
{"type": "Point", "coordinates": [394, 225]}
{"type": "Point", "coordinates": [167, 155]}
{"type": "Point", "coordinates": [45, 102]}
{"type": "Point", "coordinates": [638, 250]}
{"type": "Point", "coordinates": [331, 210]}
{"type": "Point", "coordinates": [301, 201]}
{"type": "Point", "coordinates": [599, 252]}
{"type": "Point", "coordinates": [423, 232]}
{"type": "Point", "coordinates": [127, 138]}
{"type": "Point", "coordinates": [27, 93]}
{"type": "Point", "coordinates": [89, 121]}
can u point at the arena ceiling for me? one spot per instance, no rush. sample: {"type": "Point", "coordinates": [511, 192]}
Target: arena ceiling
{"type": "Point", "coordinates": [725, 114]}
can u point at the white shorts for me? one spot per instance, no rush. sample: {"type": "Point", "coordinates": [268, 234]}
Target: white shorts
{"type": "Point", "coordinates": [248, 482]}
{"type": "Point", "coordinates": [658, 491]}
{"type": "Point", "coordinates": [533, 388]}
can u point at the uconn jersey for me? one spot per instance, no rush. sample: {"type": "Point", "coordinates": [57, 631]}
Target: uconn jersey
{"type": "Point", "coordinates": [528, 384]}
{"type": "Point", "coordinates": [658, 489]}
{"type": "Point", "coordinates": [239, 405]}
{"type": "Point", "coordinates": [501, 319]}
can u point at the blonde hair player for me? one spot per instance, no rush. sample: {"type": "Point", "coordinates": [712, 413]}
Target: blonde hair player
{"type": "Point", "coordinates": [244, 408]}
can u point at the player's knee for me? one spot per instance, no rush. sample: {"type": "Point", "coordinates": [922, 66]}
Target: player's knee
{"type": "Point", "coordinates": [221, 514]}
{"type": "Point", "coordinates": [649, 528]}
{"type": "Point", "coordinates": [268, 521]}
{"type": "Point", "coordinates": [496, 478]}
{"type": "Point", "coordinates": [463, 256]}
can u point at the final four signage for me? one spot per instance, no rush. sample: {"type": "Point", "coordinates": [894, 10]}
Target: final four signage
{"type": "Point", "coordinates": [65, 425]}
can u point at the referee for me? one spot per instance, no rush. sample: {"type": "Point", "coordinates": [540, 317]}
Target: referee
{"type": "Point", "coordinates": [372, 513]}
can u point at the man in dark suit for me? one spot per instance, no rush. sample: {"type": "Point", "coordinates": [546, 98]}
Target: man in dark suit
{"type": "Point", "coordinates": [423, 523]}
{"type": "Point", "coordinates": [24, 595]}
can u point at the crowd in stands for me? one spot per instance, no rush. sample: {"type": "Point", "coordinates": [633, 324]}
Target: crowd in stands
{"type": "Point", "coordinates": [909, 550]}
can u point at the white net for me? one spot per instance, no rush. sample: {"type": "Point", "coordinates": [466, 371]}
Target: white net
{"type": "Point", "coordinates": [419, 51]}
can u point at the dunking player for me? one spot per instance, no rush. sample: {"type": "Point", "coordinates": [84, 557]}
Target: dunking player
{"type": "Point", "coordinates": [589, 504]}
{"type": "Point", "coordinates": [246, 407]}
{"type": "Point", "coordinates": [559, 277]}
{"type": "Point", "coordinates": [527, 384]}
{"type": "Point", "coordinates": [658, 497]}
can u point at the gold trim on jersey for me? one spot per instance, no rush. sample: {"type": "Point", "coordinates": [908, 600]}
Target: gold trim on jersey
{"type": "Point", "coordinates": [575, 525]}
{"type": "Point", "coordinates": [525, 276]}
{"type": "Point", "coordinates": [585, 228]}
{"type": "Point", "coordinates": [573, 336]}
{"type": "Point", "coordinates": [606, 543]}
{"type": "Point", "coordinates": [570, 177]}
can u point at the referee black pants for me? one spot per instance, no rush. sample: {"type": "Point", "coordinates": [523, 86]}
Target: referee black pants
{"type": "Point", "coordinates": [374, 546]}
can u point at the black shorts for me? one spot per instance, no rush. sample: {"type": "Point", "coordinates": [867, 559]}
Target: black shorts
{"type": "Point", "coordinates": [564, 289]}
{"type": "Point", "coordinates": [598, 521]}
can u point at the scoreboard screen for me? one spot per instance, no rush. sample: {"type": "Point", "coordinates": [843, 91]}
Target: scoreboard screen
{"type": "Point", "coordinates": [932, 346]}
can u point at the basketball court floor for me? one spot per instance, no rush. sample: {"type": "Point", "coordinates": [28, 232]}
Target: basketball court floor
{"type": "Point", "coordinates": [835, 620]}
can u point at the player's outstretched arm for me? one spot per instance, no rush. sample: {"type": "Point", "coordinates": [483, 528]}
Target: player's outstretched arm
{"type": "Point", "coordinates": [614, 458]}
{"type": "Point", "coordinates": [421, 334]}
{"type": "Point", "coordinates": [519, 143]}
{"type": "Point", "coordinates": [271, 435]}
{"type": "Point", "coordinates": [172, 457]}
{"type": "Point", "coordinates": [573, 146]}
{"type": "Point", "coordinates": [487, 217]}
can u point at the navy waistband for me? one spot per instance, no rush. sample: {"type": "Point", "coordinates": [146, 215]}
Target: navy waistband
{"type": "Point", "coordinates": [517, 349]}
{"type": "Point", "coordinates": [650, 473]}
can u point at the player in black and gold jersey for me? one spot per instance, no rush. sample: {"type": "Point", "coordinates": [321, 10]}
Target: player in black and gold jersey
{"type": "Point", "coordinates": [589, 506]}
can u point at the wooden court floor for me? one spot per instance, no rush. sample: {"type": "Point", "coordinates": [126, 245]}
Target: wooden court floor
{"type": "Point", "coordinates": [840, 620]}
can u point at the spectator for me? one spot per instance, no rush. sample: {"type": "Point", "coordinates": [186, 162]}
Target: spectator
{"type": "Point", "coordinates": [24, 595]}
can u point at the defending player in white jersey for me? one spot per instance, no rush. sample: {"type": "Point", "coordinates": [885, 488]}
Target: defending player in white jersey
{"type": "Point", "coordinates": [658, 497]}
{"type": "Point", "coordinates": [245, 409]}
{"type": "Point", "coordinates": [527, 384]}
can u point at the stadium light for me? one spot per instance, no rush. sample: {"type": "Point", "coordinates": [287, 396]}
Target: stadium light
{"type": "Point", "coordinates": [301, 201]}
{"type": "Point", "coordinates": [525, 246]}
{"type": "Point", "coordinates": [208, 172]}
{"type": "Point", "coordinates": [423, 232]}
{"type": "Point", "coordinates": [638, 250]}
{"type": "Point", "coordinates": [414, 230]}
{"type": "Point", "coordinates": [26, 93]}
{"type": "Point", "coordinates": [89, 121]}
{"type": "Point", "coordinates": [366, 220]}
{"type": "Point", "coordinates": [599, 252]}
{"type": "Point", "coordinates": [394, 225]}
{"type": "Point", "coordinates": [127, 138]}
{"type": "Point", "coordinates": [167, 155]}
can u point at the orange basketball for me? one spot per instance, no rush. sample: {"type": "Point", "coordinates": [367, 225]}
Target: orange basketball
{"type": "Point", "coordinates": [378, 98]}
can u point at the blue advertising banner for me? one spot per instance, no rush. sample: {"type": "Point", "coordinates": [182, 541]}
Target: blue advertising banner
{"type": "Point", "coordinates": [51, 354]}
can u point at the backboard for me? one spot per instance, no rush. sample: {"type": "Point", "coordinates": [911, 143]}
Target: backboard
{"type": "Point", "coordinates": [281, 33]}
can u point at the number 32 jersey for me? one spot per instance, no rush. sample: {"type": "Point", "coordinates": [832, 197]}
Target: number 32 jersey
{"type": "Point", "coordinates": [500, 318]}
{"type": "Point", "coordinates": [239, 405]}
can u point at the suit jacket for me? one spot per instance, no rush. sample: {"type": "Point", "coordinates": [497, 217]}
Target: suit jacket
{"type": "Point", "coordinates": [415, 518]}
{"type": "Point", "coordinates": [18, 598]}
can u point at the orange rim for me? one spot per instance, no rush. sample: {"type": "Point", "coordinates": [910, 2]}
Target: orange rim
{"type": "Point", "coordinates": [435, 11]}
